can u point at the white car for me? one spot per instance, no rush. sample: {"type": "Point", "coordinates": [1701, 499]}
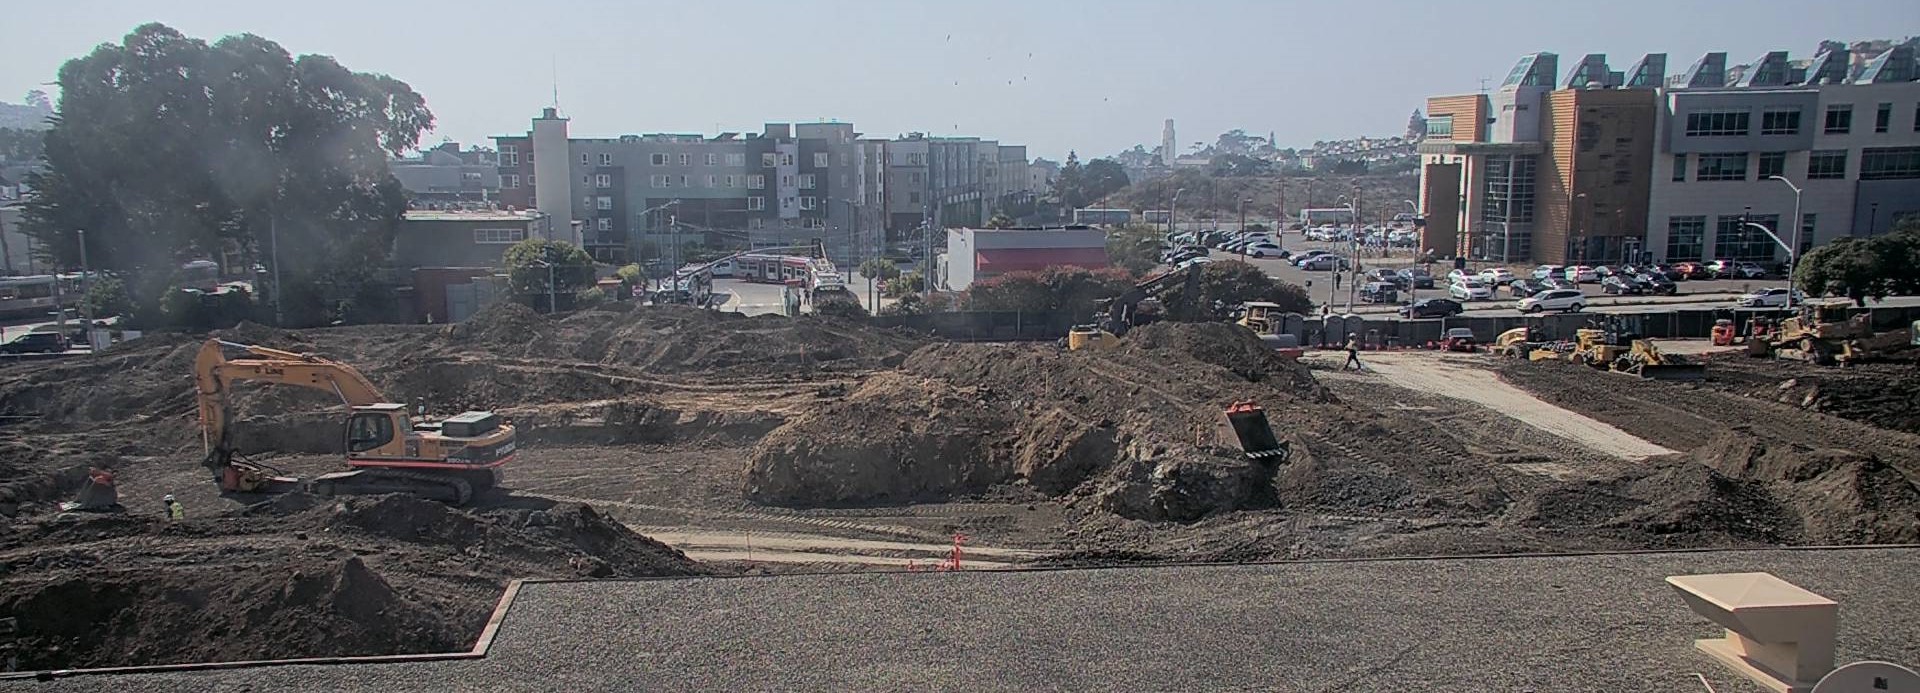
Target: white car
{"type": "Point", "coordinates": [1554, 299]}
{"type": "Point", "coordinates": [1581, 274]}
{"type": "Point", "coordinates": [1263, 249]}
{"type": "Point", "coordinates": [1768, 298]}
{"type": "Point", "coordinates": [1321, 263]}
{"type": "Point", "coordinates": [1470, 290]}
{"type": "Point", "coordinates": [1497, 276]}
{"type": "Point", "coordinates": [1199, 260]}
{"type": "Point", "coordinates": [1547, 271]}
{"type": "Point", "coordinates": [1458, 276]}
{"type": "Point", "coordinates": [1302, 259]}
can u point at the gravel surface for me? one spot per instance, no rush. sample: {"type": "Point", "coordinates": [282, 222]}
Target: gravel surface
{"type": "Point", "coordinates": [1596, 623]}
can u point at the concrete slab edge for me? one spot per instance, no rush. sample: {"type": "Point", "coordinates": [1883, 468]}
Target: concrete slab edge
{"type": "Point", "coordinates": [479, 650]}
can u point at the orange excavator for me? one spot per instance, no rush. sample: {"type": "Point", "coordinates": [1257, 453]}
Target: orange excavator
{"type": "Point", "coordinates": [387, 451]}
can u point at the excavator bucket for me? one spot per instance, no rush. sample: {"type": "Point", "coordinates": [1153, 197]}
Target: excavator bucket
{"type": "Point", "coordinates": [1249, 422]}
{"type": "Point", "coordinates": [97, 494]}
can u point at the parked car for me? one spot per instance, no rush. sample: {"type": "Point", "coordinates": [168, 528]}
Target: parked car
{"type": "Point", "coordinates": [1672, 274]}
{"type": "Point", "coordinates": [37, 343]}
{"type": "Point", "coordinates": [1559, 283]}
{"type": "Point", "coordinates": [1720, 269]}
{"type": "Point", "coordinates": [1458, 276]}
{"type": "Point", "coordinates": [1379, 292]}
{"type": "Point", "coordinates": [1496, 275]}
{"type": "Point", "coordinates": [1265, 250]}
{"type": "Point", "coordinates": [1522, 288]}
{"type": "Point", "coordinates": [1692, 270]}
{"type": "Point", "coordinates": [1325, 263]}
{"type": "Point", "coordinates": [1195, 260]}
{"type": "Point", "coordinates": [1769, 298]}
{"type": "Point", "coordinates": [1416, 277]}
{"type": "Point", "coordinates": [1385, 275]}
{"type": "Point", "coordinates": [1746, 270]}
{"type": "Point", "coordinates": [1432, 308]}
{"type": "Point", "coordinates": [1605, 271]}
{"type": "Point", "coordinates": [1658, 283]}
{"type": "Point", "coordinates": [1581, 274]}
{"type": "Point", "coordinates": [1470, 290]}
{"type": "Point", "coordinates": [1548, 271]}
{"type": "Point", "coordinates": [1622, 285]}
{"type": "Point", "coordinates": [1458, 339]}
{"type": "Point", "coordinates": [1300, 260]}
{"type": "Point", "coordinates": [1558, 299]}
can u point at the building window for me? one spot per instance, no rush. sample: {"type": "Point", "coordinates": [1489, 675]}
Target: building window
{"type": "Point", "coordinates": [786, 159]}
{"type": "Point", "coordinates": [529, 180]}
{"type": "Point", "coordinates": [916, 159]}
{"type": "Point", "coordinates": [1830, 164]}
{"type": "Point", "coordinates": [1806, 235]}
{"type": "Point", "coordinates": [1507, 195]}
{"type": "Point", "coordinates": [1685, 236]}
{"type": "Point", "coordinates": [603, 224]}
{"type": "Point", "coordinates": [736, 159]}
{"type": "Point", "coordinates": [786, 180]}
{"type": "Point", "coordinates": [602, 180]}
{"type": "Point", "coordinates": [713, 159]}
{"type": "Point", "coordinates": [510, 181]}
{"type": "Point", "coordinates": [583, 159]}
{"type": "Point", "coordinates": [1773, 164]}
{"type": "Point", "coordinates": [755, 204]}
{"type": "Point", "coordinates": [1734, 240]}
{"type": "Point", "coordinates": [1889, 163]}
{"type": "Point", "coordinates": [756, 223]}
{"type": "Point", "coordinates": [1718, 123]}
{"type": "Point", "coordinates": [1780, 122]}
{"type": "Point", "coordinates": [1440, 127]}
{"type": "Point", "coordinates": [1721, 167]}
{"type": "Point", "coordinates": [586, 179]}
{"type": "Point", "coordinates": [686, 159]}
{"type": "Point", "coordinates": [807, 202]}
{"type": "Point", "coordinates": [756, 182]}
{"type": "Point", "coordinates": [913, 198]}
{"type": "Point", "coordinates": [766, 159]}
{"type": "Point", "coordinates": [510, 154]}
{"type": "Point", "coordinates": [499, 236]}
{"type": "Point", "coordinates": [1916, 117]}
{"type": "Point", "coordinates": [846, 159]}
{"type": "Point", "coordinates": [658, 159]}
{"type": "Point", "coordinates": [606, 159]}
{"type": "Point", "coordinates": [806, 181]}
{"type": "Point", "coordinates": [1839, 119]}
{"type": "Point", "coordinates": [1679, 168]}
{"type": "Point", "coordinates": [820, 160]}
{"type": "Point", "coordinates": [733, 181]}
{"type": "Point", "coordinates": [916, 178]}
{"type": "Point", "coordinates": [686, 181]}
{"type": "Point", "coordinates": [660, 181]}
{"type": "Point", "coordinates": [603, 202]}
{"type": "Point", "coordinates": [1883, 118]}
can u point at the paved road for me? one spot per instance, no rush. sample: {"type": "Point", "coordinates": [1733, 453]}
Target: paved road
{"type": "Point", "coordinates": [757, 298]}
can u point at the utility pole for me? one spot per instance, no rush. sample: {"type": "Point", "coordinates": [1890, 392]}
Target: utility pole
{"type": "Point", "coordinates": [273, 235]}
{"type": "Point", "coordinates": [1793, 254]}
{"type": "Point", "coordinates": [85, 306]}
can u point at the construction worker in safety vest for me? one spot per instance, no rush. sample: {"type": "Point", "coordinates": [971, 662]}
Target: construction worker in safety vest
{"type": "Point", "coordinates": [175, 511]}
{"type": "Point", "coordinates": [1353, 353]}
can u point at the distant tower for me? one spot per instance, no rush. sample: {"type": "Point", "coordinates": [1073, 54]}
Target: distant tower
{"type": "Point", "coordinates": [1168, 148]}
{"type": "Point", "coordinates": [554, 194]}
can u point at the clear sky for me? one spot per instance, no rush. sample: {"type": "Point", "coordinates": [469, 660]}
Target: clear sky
{"type": "Point", "coordinates": [1096, 76]}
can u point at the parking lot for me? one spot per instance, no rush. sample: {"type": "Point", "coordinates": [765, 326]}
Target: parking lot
{"type": "Point", "coordinates": [1713, 293]}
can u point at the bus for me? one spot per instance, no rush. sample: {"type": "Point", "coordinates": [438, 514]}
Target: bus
{"type": "Point", "coordinates": [1337, 216]}
{"type": "Point", "coordinates": [37, 295]}
{"type": "Point", "coordinates": [766, 268]}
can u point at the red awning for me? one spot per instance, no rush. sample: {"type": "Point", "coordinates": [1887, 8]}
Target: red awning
{"type": "Point", "coordinates": [1003, 260]}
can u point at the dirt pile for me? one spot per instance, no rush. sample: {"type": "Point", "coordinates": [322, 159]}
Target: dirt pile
{"type": "Point", "coordinates": [1883, 394]}
{"type": "Point", "coordinates": [295, 576]}
{"type": "Point", "coordinates": [1663, 498]}
{"type": "Point", "coordinates": [1840, 496]}
{"type": "Point", "coordinates": [1140, 422]}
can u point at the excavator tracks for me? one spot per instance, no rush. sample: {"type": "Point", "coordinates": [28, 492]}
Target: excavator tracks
{"type": "Point", "coordinates": [441, 487]}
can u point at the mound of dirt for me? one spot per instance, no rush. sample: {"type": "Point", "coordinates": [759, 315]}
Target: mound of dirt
{"type": "Point", "coordinates": [1668, 497]}
{"type": "Point", "coordinates": [293, 577]}
{"type": "Point", "coordinates": [1840, 496]}
{"type": "Point", "coordinates": [1136, 427]}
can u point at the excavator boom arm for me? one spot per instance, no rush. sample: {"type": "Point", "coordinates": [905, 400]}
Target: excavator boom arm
{"type": "Point", "coordinates": [214, 375]}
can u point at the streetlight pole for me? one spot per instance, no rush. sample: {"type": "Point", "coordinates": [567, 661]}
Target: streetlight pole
{"type": "Point", "coordinates": [1243, 215]}
{"type": "Point", "coordinates": [1173, 207]}
{"type": "Point", "coordinates": [1793, 254]}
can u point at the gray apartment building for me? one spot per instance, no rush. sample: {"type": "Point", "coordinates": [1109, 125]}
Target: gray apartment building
{"type": "Point", "coordinates": [649, 194]}
{"type": "Point", "coordinates": [447, 174]}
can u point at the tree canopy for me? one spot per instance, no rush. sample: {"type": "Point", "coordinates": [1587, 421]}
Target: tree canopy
{"type": "Point", "coordinates": [1134, 248]}
{"type": "Point", "coordinates": [167, 148]}
{"type": "Point", "coordinates": [530, 264]}
{"type": "Point", "coordinates": [1076, 290]}
{"type": "Point", "coordinates": [1863, 268]}
{"type": "Point", "coordinates": [1223, 285]}
{"type": "Point", "coordinates": [1079, 185]}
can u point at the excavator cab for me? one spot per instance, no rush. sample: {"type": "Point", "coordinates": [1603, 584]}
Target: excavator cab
{"type": "Point", "coordinates": [373, 430]}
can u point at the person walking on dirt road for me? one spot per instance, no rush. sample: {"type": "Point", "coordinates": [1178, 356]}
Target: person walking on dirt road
{"type": "Point", "coordinates": [1353, 353]}
{"type": "Point", "coordinates": [175, 511]}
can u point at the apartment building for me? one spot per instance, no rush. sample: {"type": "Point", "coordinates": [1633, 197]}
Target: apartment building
{"type": "Point", "coordinates": [1634, 165]}
{"type": "Point", "coordinates": [447, 174]}
{"type": "Point", "coordinates": [784, 185]}
{"type": "Point", "coordinates": [1846, 135]}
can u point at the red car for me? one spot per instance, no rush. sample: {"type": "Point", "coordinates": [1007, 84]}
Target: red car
{"type": "Point", "coordinates": [1691, 270]}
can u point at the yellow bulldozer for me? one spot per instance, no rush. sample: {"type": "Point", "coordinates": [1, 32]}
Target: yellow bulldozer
{"type": "Point", "coordinates": [1612, 350]}
{"type": "Point", "coordinates": [1822, 333]}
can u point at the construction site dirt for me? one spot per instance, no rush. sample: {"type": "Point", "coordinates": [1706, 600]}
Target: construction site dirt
{"type": "Point", "coordinates": [777, 444]}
